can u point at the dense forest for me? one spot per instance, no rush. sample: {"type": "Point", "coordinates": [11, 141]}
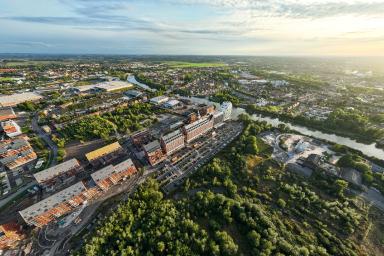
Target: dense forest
{"type": "Point", "coordinates": [241, 203]}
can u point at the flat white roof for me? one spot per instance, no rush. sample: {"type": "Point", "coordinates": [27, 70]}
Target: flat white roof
{"type": "Point", "coordinates": [172, 103]}
{"type": "Point", "coordinates": [52, 201]}
{"type": "Point", "coordinates": [14, 99]}
{"type": "Point", "coordinates": [159, 99]}
{"type": "Point", "coordinates": [103, 173]}
{"type": "Point", "coordinates": [113, 85]}
{"type": "Point", "coordinates": [56, 170]}
{"type": "Point", "coordinates": [108, 86]}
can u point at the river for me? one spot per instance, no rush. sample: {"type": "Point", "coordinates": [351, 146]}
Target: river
{"type": "Point", "coordinates": [133, 80]}
{"type": "Point", "coordinates": [366, 149]}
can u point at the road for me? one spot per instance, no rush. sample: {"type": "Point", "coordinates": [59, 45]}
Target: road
{"type": "Point", "coordinates": [19, 191]}
{"type": "Point", "coordinates": [53, 240]}
{"type": "Point", "coordinates": [42, 135]}
{"type": "Point", "coordinates": [374, 197]}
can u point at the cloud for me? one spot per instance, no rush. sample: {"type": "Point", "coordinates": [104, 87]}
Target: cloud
{"type": "Point", "coordinates": [296, 9]}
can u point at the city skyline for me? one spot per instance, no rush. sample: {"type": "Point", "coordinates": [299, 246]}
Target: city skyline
{"type": "Point", "coordinates": [195, 27]}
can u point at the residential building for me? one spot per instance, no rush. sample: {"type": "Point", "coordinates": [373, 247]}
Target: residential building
{"type": "Point", "coordinates": [154, 153]}
{"type": "Point", "coordinates": [57, 205]}
{"type": "Point", "coordinates": [63, 172]}
{"type": "Point", "coordinates": [7, 113]}
{"type": "Point", "coordinates": [105, 154]}
{"type": "Point", "coordinates": [16, 153]}
{"type": "Point", "coordinates": [218, 118]}
{"type": "Point", "coordinates": [10, 233]}
{"type": "Point", "coordinates": [226, 108]}
{"type": "Point", "coordinates": [172, 142]}
{"type": "Point", "coordinates": [196, 129]}
{"type": "Point", "coordinates": [10, 128]}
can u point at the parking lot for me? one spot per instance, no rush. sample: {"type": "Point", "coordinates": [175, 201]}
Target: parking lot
{"type": "Point", "coordinates": [192, 158]}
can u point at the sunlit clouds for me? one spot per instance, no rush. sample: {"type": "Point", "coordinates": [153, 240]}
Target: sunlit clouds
{"type": "Point", "coordinates": [246, 27]}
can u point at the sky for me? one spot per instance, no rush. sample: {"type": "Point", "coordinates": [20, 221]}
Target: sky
{"type": "Point", "coordinates": [194, 27]}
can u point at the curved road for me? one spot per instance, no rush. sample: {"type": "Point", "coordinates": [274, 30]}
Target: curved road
{"type": "Point", "coordinates": [42, 135]}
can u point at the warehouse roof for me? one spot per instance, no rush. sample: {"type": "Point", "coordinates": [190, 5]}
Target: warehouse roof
{"type": "Point", "coordinates": [113, 85]}
{"type": "Point", "coordinates": [103, 173]}
{"type": "Point", "coordinates": [52, 201]}
{"type": "Point", "coordinates": [103, 151]}
{"type": "Point", "coordinates": [124, 165]}
{"type": "Point", "coordinates": [14, 99]}
{"type": "Point", "coordinates": [6, 113]}
{"type": "Point", "coordinates": [56, 170]}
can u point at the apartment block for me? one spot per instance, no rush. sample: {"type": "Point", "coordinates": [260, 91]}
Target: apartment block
{"type": "Point", "coordinates": [172, 142]}
{"type": "Point", "coordinates": [196, 129]}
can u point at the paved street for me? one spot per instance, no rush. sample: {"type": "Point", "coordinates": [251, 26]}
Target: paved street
{"type": "Point", "coordinates": [53, 147]}
{"type": "Point", "coordinates": [193, 159]}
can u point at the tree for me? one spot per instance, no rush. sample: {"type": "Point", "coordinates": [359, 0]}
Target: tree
{"type": "Point", "coordinates": [281, 203]}
{"type": "Point", "coordinates": [340, 186]}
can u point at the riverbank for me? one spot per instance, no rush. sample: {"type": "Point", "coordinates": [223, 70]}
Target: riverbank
{"type": "Point", "coordinates": [316, 126]}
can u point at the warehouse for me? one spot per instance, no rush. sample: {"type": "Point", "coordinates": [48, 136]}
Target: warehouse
{"type": "Point", "coordinates": [104, 155]}
{"type": "Point", "coordinates": [111, 175]}
{"type": "Point", "coordinates": [14, 99]}
{"type": "Point", "coordinates": [7, 113]}
{"type": "Point", "coordinates": [64, 172]}
{"type": "Point", "coordinates": [57, 205]}
{"type": "Point", "coordinates": [172, 104]}
{"type": "Point", "coordinates": [159, 100]}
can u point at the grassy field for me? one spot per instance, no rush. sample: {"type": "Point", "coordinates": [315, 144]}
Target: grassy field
{"type": "Point", "coordinates": [6, 79]}
{"type": "Point", "coordinates": [182, 64]}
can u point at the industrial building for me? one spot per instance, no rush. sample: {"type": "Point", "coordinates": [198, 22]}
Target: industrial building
{"type": "Point", "coordinates": [63, 172]}
{"type": "Point", "coordinates": [111, 175]}
{"type": "Point", "coordinates": [16, 153]}
{"type": "Point", "coordinates": [10, 233]}
{"type": "Point", "coordinates": [101, 87]}
{"type": "Point", "coordinates": [226, 108]}
{"type": "Point", "coordinates": [196, 129]}
{"type": "Point", "coordinates": [172, 104]}
{"type": "Point", "coordinates": [111, 86]}
{"type": "Point", "coordinates": [10, 128]}
{"type": "Point", "coordinates": [14, 99]}
{"type": "Point", "coordinates": [159, 100]}
{"type": "Point", "coordinates": [141, 138]}
{"type": "Point", "coordinates": [133, 94]}
{"type": "Point", "coordinates": [7, 113]}
{"type": "Point", "coordinates": [154, 152]}
{"type": "Point", "coordinates": [104, 155]}
{"type": "Point", "coordinates": [57, 205]}
{"type": "Point", "coordinates": [172, 142]}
